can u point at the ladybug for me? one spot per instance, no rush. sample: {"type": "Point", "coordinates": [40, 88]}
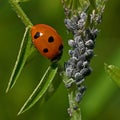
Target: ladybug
{"type": "Point", "coordinates": [47, 41]}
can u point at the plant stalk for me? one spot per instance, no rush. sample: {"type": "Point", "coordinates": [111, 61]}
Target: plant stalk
{"type": "Point", "coordinates": [73, 110]}
{"type": "Point", "coordinates": [20, 13]}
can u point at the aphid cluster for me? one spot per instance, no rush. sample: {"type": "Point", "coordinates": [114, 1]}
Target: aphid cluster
{"type": "Point", "coordinates": [83, 42]}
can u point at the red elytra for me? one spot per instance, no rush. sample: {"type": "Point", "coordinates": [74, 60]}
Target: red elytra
{"type": "Point", "coordinates": [48, 42]}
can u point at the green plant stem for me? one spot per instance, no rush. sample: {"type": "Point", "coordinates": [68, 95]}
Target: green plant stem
{"type": "Point", "coordinates": [75, 114]}
{"type": "Point", "coordinates": [20, 13]}
{"type": "Point", "coordinates": [73, 110]}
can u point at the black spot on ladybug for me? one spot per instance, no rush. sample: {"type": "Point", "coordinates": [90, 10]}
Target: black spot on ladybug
{"type": "Point", "coordinates": [60, 47]}
{"type": "Point", "coordinates": [50, 39]}
{"type": "Point", "coordinates": [37, 35]}
{"type": "Point", "coordinates": [57, 57]}
{"type": "Point", "coordinates": [45, 50]}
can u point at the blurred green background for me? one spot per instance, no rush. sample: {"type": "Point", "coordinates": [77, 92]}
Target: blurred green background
{"type": "Point", "coordinates": [102, 98]}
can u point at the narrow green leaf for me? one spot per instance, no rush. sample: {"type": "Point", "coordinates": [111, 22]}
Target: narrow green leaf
{"type": "Point", "coordinates": [114, 73]}
{"type": "Point", "coordinates": [26, 49]}
{"type": "Point", "coordinates": [54, 86]}
{"type": "Point", "coordinates": [22, 1]}
{"type": "Point", "coordinates": [40, 89]}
